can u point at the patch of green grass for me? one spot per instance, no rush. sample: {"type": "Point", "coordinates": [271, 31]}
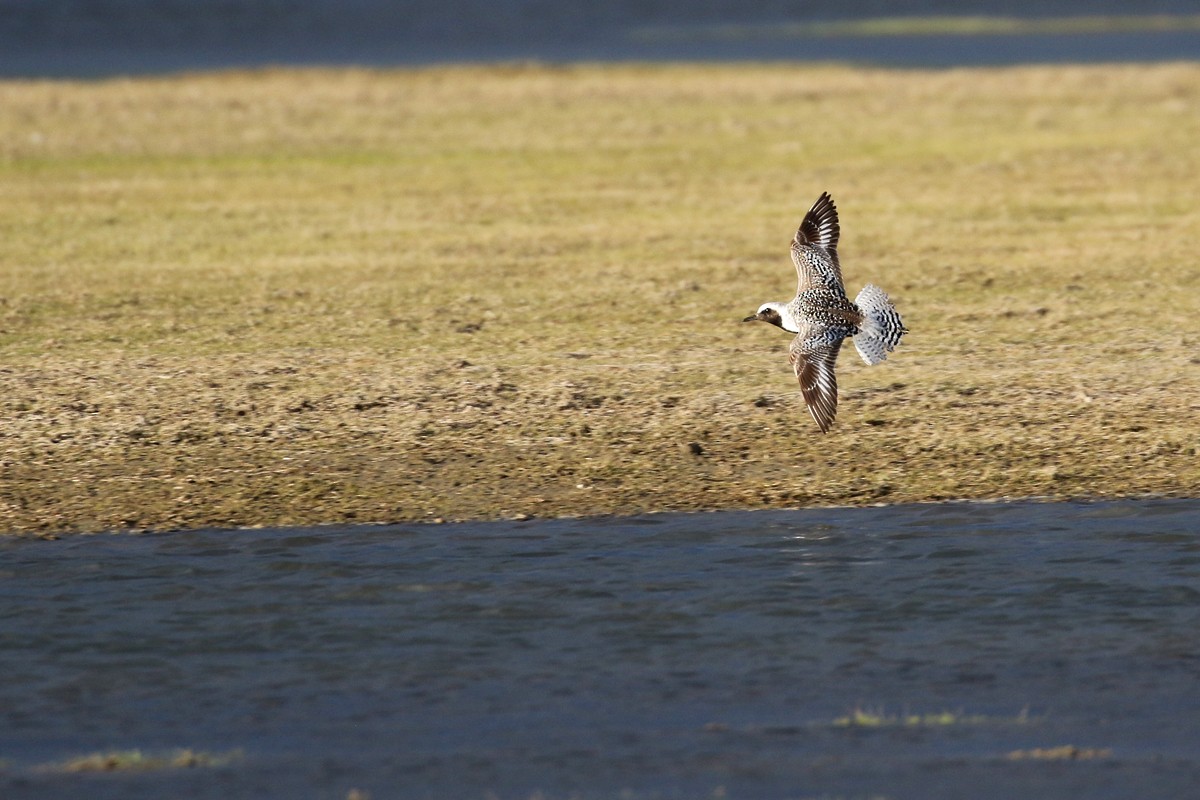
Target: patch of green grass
{"type": "Point", "coordinates": [139, 761]}
{"type": "Point", "coordinates": [1067, 752]}
{"type": "Point", "coordinates": [958, 25]}
{"type": "Point", "coordinates": [861, 718]}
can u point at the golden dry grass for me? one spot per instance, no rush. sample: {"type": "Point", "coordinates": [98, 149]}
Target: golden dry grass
{"type": "Point", "coordinates": [315, 296]}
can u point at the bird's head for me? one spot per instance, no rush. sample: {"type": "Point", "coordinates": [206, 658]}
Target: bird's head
{"type": "Point", "coordinates": [768, 312]}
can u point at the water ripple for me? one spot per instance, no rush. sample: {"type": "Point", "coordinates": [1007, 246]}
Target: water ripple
{"type": "Point", "coordinates": [670, 655]}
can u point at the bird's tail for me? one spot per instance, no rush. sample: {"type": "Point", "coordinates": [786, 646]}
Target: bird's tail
{"type": "Point", "coordinates": [881, 327]}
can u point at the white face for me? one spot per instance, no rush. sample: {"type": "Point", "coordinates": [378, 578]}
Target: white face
{"type": "Point", "coordinates": [788, 323]}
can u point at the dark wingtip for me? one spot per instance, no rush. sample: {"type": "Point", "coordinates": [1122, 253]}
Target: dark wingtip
{"type": "Point", "coordinates": [822, 423]}
{"type": "Point", "coordinates": [820, 226]}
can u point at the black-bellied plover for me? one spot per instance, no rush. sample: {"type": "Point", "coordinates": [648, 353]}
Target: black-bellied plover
{"type": "Point", "coordinates": [822, 316]}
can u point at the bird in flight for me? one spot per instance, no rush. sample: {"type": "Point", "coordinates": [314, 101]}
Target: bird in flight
{"type": "Point", "coordinates": [822, 316]}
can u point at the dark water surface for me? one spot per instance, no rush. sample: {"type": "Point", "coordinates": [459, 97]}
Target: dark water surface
{"type": "Point", "coordinates": [662, 656]}
{"type": "Point", "coordinates": [98, 38]}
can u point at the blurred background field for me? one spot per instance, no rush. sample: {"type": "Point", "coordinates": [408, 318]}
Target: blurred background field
{"type": "Point", "coordinates": [303, 296]}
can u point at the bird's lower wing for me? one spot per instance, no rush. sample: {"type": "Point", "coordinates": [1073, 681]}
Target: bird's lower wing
{"type": "Point", "coordinates": [814, 360]}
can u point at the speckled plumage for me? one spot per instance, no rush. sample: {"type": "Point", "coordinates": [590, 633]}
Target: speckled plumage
{"type": "Point", "coordinates": [822, 316]}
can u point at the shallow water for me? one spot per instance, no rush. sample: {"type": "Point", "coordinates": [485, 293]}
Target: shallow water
{"type": "Point", "coordinates": [42, 38]}
{"type": "Point", "coordinates": [659, 656]}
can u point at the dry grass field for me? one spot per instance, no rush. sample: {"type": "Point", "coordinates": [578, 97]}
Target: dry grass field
{"type": "Point", "coordinates": [293, 297]}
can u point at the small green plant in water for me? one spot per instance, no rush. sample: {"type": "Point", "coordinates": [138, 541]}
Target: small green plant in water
{"type": "Point", "coordinates": [860, 718]}
{"type": "Point", "coordinates": [137, 761]}
{"type": "Point", "coordinates": [1068, 752]}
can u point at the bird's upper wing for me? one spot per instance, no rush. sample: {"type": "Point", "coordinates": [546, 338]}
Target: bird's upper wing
{"type": "Point", "coordinates": [813, 358]}
{"type": "Point", "coordinates": [819, 227]}
{"type": "Point", "coordinates": [814, 248]}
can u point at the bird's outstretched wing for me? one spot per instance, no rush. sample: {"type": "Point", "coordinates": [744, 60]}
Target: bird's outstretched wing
{"type": "Point", "coordinates": [813, 359]}
{"type": "Point", "coordinates": [814, 247]}
{"type": "Point", "coordinates": [819, 227]}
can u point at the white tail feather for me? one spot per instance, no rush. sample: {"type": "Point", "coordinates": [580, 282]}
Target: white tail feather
{"type": "Point", "coordinates": [881, 327]}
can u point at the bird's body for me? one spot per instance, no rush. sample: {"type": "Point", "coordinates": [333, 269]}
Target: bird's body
{"type": "Point", "coordinates": [822, 316]}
